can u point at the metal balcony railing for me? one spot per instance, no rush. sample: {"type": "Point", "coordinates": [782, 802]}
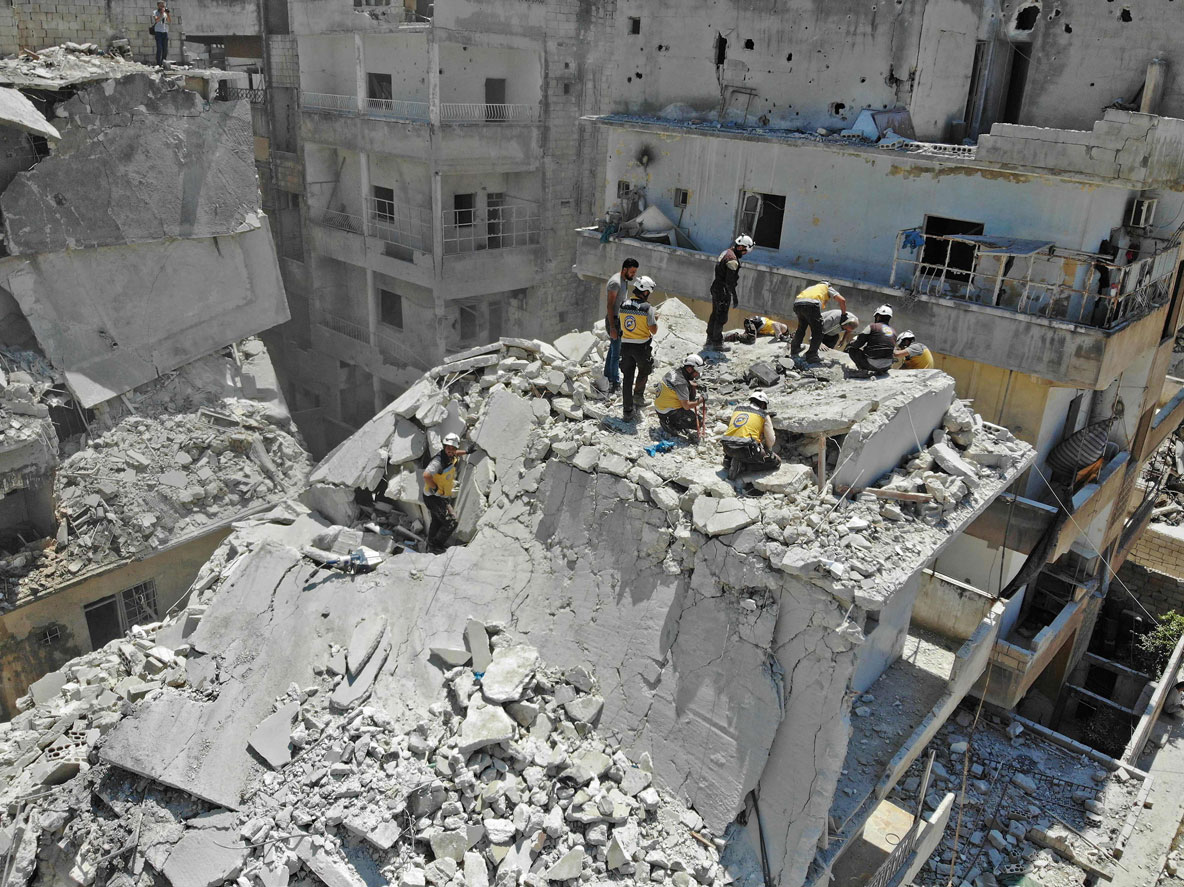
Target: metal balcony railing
{"type": "Point", "coordinates": [1031, 277]}
{"type": "Point", "coordinates": [397, 352]}
{"type": "Point", "coordinates": [331, 218]}
{"type": "Point", "coordinates": [397, 109]}
{"type": "Point", "coordinates": [507, 225]}
{"type": "Point", "coordinates": [228, 93]}
{"type": "Point", "coordinates": [409, 226]}
{"type": "Point", "coordinates": [478, 112]}
{"type": "Point", "coordinates": [417, 112]}
{"type": "Point", "coordinates": [343, 325]}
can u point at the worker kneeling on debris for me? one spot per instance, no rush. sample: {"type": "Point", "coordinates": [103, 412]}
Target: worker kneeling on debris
{"type": "Point", "coordinates": [748, 443]}
{"type": "Point", "coordinates": [875, 348]}
{"type": "Point", "coordinates": [439, 489]}
{"type": "Point", "coordinates": [915, 355]}
{"type": "Point", "coordinates": [678, 403]}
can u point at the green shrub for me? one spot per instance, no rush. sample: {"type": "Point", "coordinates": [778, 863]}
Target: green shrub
{"type": "Point", "coordinates": [1154, 649]}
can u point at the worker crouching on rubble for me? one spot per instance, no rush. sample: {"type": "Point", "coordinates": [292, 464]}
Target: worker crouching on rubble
{"type": "Point", "coordinates": [757, 326]}
{"type": "Point", "coordinates": [875, 348]}
{"type": "Point", "coordinates": [638, 323]}
{"type": "Point", "coordinates": [679, 404]}
{"type": "Point", "coordinates": [808, 308]}
{"type": "Point", "coordinates": [915, 355]}
{"type": "Point", "coordinates": [838, 328]}
{"type": "Point", "coordinates": [439, 491]}
{"type": "Point", "coordinates": [748, 443]}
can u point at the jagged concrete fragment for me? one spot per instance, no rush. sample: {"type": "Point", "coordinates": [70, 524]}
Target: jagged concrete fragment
{"type": "Point", "coordinates": [364, 642]}
{"type": "Point", "coordinates": [477, 639]}
{"type": "Point", "coordinates": [18, 112]}
{"type": "Point", "coordinates": [272, 738]}
{"type": "Point", "coordinates": [356, 687]}
{"type": "Point", "coordinates": [508, 673]}
{"type": "Point", "coordinates": [331, 872]}
{"type": "Point", "coordinates": [505, 427]}
{"type": "Point", "coordinates": [205, 857]}
{"type": "Point", "coordinates": [48, 687]}
{"type": "Point", "coordinates": [484, 725]}
{"type": "Point", "coordinates": [113, 318]}
{"type": "Point", "coordinates": [190, 162]}
{"type": "Point", "coordinates": [788, 479]}
{"type": "Point", "coordinates": [576, 346]}
{"type": "Point", "coordinates": [567, 867]}
{"type": "Point", "coordinates": [717, 517]}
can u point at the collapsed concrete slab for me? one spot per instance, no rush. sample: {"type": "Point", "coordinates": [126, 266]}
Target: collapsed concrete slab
{"type": "Point", "coordinates": [18, 112]}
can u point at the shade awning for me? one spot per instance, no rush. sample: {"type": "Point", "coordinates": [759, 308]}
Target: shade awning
{"type": "Point", "coordinates": [992, 244]}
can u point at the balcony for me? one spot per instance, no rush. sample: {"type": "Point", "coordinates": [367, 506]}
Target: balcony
{"type": "Point", "coordinates": [490, 137]}
{"type": "Point", "coordinates": [399, 225]}
{"type": "Point", "coordinates": [491, 251]}
{"type": "Point", "coordinates": [1061, 350]}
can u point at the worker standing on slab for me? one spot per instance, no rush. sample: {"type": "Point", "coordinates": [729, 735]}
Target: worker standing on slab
{"type": "Point", "coordinates": [723, 291]}
{"type": "Point", "coordinates": [748, 443]}
{"type": "Point", "coordinates": [808, 309]}
{"type": "Point", "coordinates": [915, 355]}
{"type": "Point", "coordinates": [838, 328]}
{"type": "Point", "coordinates": [439, 491]}
{"type": "Point", "coordinates": [617, 292]}
{"type": "Point", "coordinates": [638, 323]}
{"type": "Point", "coordinates": [756, 326]}
{"type": "Point", "coordinates": [678, 402]}
{"type": "Point", "coordinates": [875, 348]}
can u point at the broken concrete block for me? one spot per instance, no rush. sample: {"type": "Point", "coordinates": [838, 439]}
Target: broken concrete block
{"type": "Point", "coordinates": [406, 443]}
{"type": "Point", "coordinates": [585, 709]}
{"type": "Point", "coordinates": [331, 871]}
{"type": "Point", "coordinates": [204, 858]}
{"type": "Point", "coordinates": [506, 426]}
{"type": "Point", "coordinates": [477, 640]}
{"type": "Point", "coordinates": [48, 687]}
{"type": "Point", "coordinates": [354, 689]}
{"type": "Point", "coordinates": [509, 671]}
{"type": "Point", "coordinates": [626, 841]}
{"type": "Point", "coordinates": [449, 657]}
{"type": "Point", "coordinates": [449, 845]}
{"type": "Point", "coordinates": [484, 725]}
{"type": "Point", "coordinates": [763, 374]}
{"type": "Point", "coordinates": [272, 738]}
{"type": "Point", "coordinates": [363, 642]}
{"type": "Point", "coordinates": [952, 463]}
{"type": "Point", "coordinates": [789, 479]}
{"type": "Point", "coordinates": [587, 764]}
{"type": "Point", "coordinates": [475, 870]}
{"type": "Point", "coordinates": [576, 346]}
{"type": "Point", "coordinates": [567, 867]}
{"type": "Point", "coordinates": [49, 772]}
{"type": "Point", "coordinates": [586, 458]}
{"type": "Point", "coordinates": [718, 517]}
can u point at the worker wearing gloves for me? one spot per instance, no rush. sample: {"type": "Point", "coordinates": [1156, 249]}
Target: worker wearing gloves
{"type": "Point", "coordinates": [915, 355]}
{"type": "Point", "coordinates": [748, 443]}
{"type": "Point", "coordinates": [439, 491]}
{"type": "Point", "coordinates": [679, 403]}
{"type": "Point", "coordinates": [638, 323]}
{"type": "Point", "coordinates": [838, 328]}
{"type": "Point", "coordinates": [723, 291]}
{"type": "Point", "coordinates": [807, 307]}
{"type": "Point", "coordinates": [875, 348]}
{"type": "Point", "coordinates": [755, 326]}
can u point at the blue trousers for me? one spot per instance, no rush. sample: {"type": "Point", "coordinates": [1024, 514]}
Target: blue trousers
{"type": "Point", "coordinates": [612, 361]}
{"type": "Point", "coordinates": [162, 46]}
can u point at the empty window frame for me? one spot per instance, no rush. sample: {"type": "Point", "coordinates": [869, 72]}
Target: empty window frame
{"type": "Point", "coordinates": [464, 209]}
{"type": "Point", "coordinates": [956, 259]}
{"type": "Point", "coordinates": [379, 86]}
{"type": "Point", "coordinates": [634, 24]}
{"type": "Point", "coordinates": [623, 188]}
{"type": "Point", "coordinates": [384, 203]}
{"type": "Point", "coordinates": [390, 308]}
{"type": "Point", "coordinates": [468, 323]}
{"type": "Point", "coordinates": [682, 198]}
{"type": "Point", "coordinates": [761, 217]}
{"type": "Point", "coordinates": [110, 617]}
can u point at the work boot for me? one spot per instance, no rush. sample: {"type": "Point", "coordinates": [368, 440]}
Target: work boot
{"type": "Point", "coordinates": [721, 347]}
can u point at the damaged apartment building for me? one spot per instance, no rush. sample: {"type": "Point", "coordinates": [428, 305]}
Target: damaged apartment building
{"type": "Point", "coordinates": [140, 415]}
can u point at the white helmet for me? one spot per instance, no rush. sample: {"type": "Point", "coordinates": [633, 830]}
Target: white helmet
{"type": "Point", "coordinates": [885, 310]}
{"type": "Point", "coordinates": [852, 319]}
{"type": "Point", "coordinates": [906, 336]}
{"type": "Point", "coordinates": [692, 360]}
{"type": "Point", "coordinates": [759, 399]}
{"type": "Point", "coordinates": [451, 439]}
{"type": "Point", "coordinates": [644, 284]}
{"type": "Point", "coordinates": [745, 241]}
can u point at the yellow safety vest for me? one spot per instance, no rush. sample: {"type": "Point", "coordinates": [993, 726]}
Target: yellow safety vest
{"type": "Point", "coordinates": [667, 399]}
{"type": "Point", "coordinates": [445, 481]}
{"type": "Point", "coordinates": [766, 327]}
{"type": "Point", "coordinates": [922, 361]}
{"type": "Point", "coordinates": [635, 324]}
{"type": "Point", "coordinates": [749, 423]}
{"type": "Point", "coordinates": [819, 293]}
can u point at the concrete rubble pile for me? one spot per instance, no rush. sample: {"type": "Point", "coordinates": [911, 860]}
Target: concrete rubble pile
{"type": "Point", "coordinates": [1061, 830]}
{"type": "Point", "coordinates": [723, 621]}
{"type": "Point", "coordinates": [171, 459]}
{"type": "Point", "coordinates": [70, 64]}
{"type": "Point", "coordinates": [504, 779]}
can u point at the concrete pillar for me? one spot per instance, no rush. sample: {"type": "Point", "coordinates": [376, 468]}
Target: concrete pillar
{"type": "Point", "coordinates": [364, 179]}
{"type": "Point", "coordinates": [1157, 74]}
{"type": "Point", "coordinates": [360, 70]}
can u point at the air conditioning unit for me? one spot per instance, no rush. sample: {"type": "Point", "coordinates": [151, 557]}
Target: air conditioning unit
{"type": "Point", "coordinates": [1142, 214]}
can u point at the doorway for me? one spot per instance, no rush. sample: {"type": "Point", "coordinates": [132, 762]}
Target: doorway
{"type": "Point", "coordinates": [1017, 83]}
{"type": "Point", "coordinates": [495, 99]}
{"type": "Point", "coordinates": [957, 259]}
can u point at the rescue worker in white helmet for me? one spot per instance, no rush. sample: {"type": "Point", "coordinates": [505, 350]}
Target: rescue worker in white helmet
{"type": "Point", "coordinates": [679, 402]}
{"type": "Point", "coordinates": [915, 355]}
{"type": "Point", "coordinates": [755, 326]}
{"type": "Point", "coordinates": [723, 291]}
{"type": "Point", "coordinates": [639, 324]}
{"type": "Point", "coordinates": [874, 349]}
{"type": "Point", "coordinates": [748, 443]}
{"type": "Point", "coordinates": [439, 491]}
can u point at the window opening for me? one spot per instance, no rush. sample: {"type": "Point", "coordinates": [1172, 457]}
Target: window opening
{"type": "Point", "coordinates": [464, 209]}
{"type": "Point", "coordinates": [634, 25]}
{"type": "Point", "coordinates": [390, 308]}
{"type": "Point", "coordinates": [957, 258]}
{"type": "Point", "coordinates": [761, 217]}
{"type": "Point", "coordinates": [379, 86]}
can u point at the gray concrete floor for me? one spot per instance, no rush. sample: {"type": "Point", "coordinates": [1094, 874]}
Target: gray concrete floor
{"type": "Point", "coordinates": [1158, 824]}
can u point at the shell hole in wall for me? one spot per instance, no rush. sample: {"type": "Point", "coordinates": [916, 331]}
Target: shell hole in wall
{"type": "Point", "coordinates": [637, 74]}
{"type": "Point", "coordinates": [837, 109]}
{"type": "Point", "coordinates": [1068, 28]}
{"type": "Point", "coordinates": [721, 49]}
{"type": "Point", "coordinates": [1025, 19]}
{"type": "Point", "coordinates": [1124, 16]}
{"type": "Point", "coordinates": [1056, 13]}
{"type": "Point", "coordinates": [749, 44]}
{"type": "Point", "coordinates": [789, 57]}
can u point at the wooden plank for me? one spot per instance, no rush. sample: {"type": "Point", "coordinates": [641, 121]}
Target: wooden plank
{"type": "Point", "coordinates": [899, 495]}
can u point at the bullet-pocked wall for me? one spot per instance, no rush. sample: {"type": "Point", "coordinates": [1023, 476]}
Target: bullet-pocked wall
{"type": "Point", "coordinates": [813, 185]}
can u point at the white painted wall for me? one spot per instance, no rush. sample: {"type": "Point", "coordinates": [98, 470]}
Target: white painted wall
{"type": "Point", "coordinates": [404, 57]}
{"type": "Point", "coordinates": [464, 69]}
{"type": "Point", "coordinates": [974, 562]}
{"type": "Point", "coordinates": [845, 206]}
{"type": "Point", "coordinates": [328, 64]}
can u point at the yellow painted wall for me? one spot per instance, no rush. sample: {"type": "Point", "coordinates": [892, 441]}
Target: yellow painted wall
{"type": "Point", "coordinates": [1013, 400]}
{"type": "Point", "coordinates": [23, 660]}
